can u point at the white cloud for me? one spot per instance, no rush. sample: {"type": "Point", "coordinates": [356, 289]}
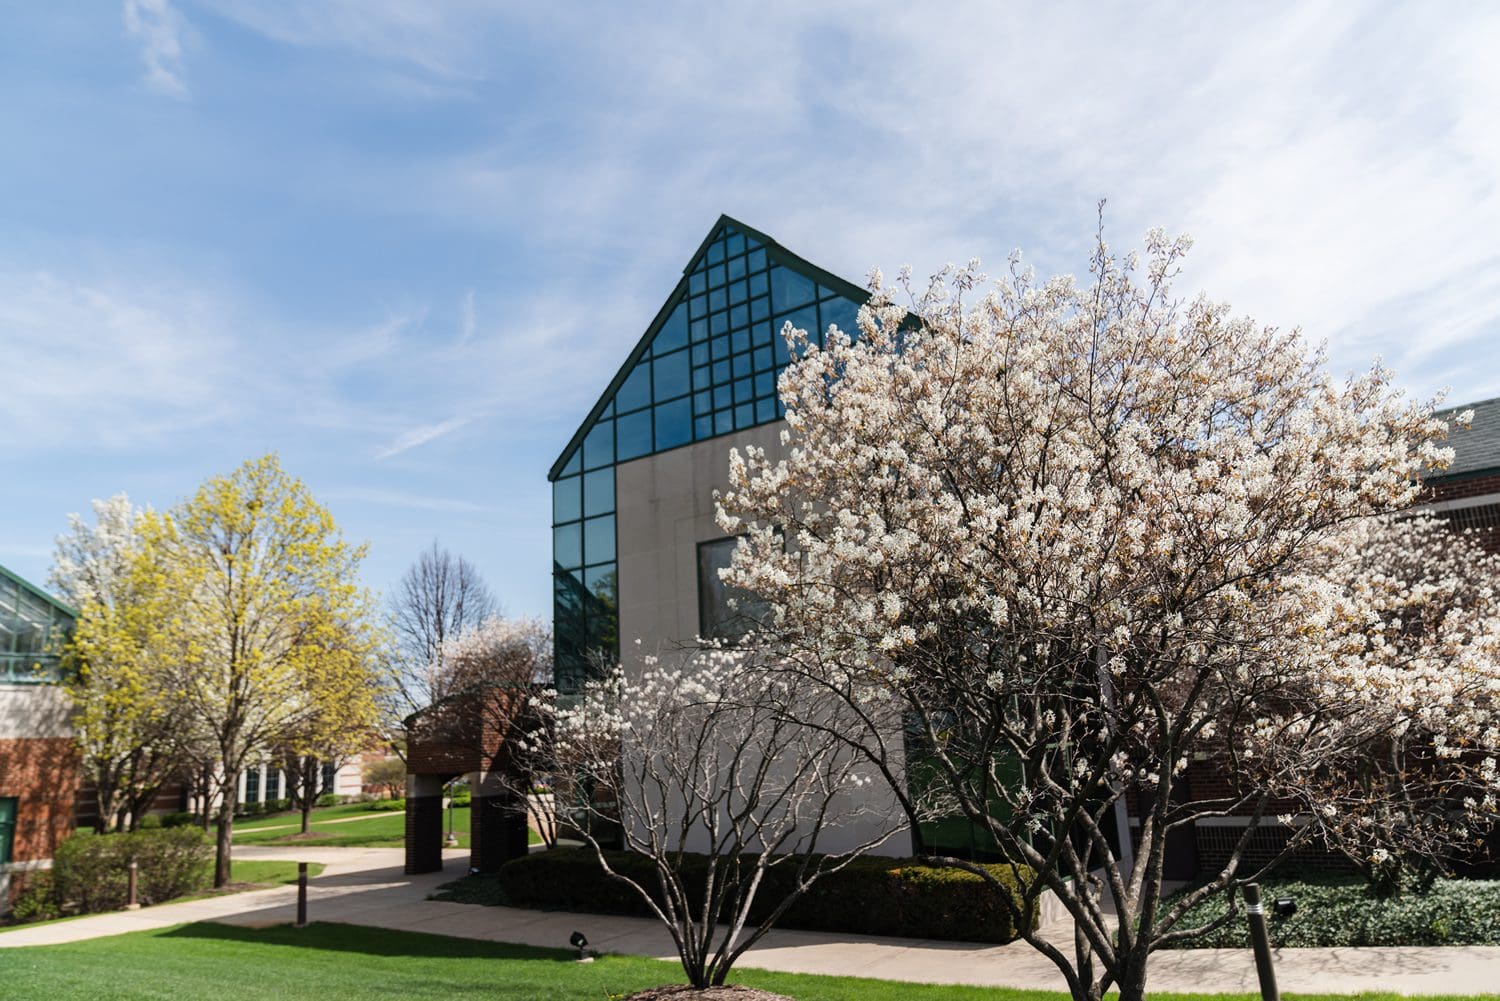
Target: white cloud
{"type": "Point", "coordinates": [418, 436]}
{"type": "Point", "coordinates": [158, 27]}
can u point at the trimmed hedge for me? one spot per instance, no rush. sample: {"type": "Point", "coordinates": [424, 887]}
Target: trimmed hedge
{"type": "Point", "coordinates": [1337, 911]}
{"type": "Point", "coordinates": [870, 896]}
{"type": "Point", "coordinates": [90, 871]}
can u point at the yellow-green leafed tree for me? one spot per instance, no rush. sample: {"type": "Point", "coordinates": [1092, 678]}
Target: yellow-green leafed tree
{"type": "Point", "coordinates": [121, 721]}
{"type": "Point", "coordinates": [342, 684]}
{"type": "Point", "coordinates": [253, 591]}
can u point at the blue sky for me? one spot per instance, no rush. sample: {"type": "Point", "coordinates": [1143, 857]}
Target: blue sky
{"type": "Point", "coordinates": [407, 244]}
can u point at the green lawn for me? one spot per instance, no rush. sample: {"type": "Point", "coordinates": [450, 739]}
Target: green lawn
{"type": "Point", "coordinates": [372, 829]}
{"type": "Point", "coordinates": [349, 963]}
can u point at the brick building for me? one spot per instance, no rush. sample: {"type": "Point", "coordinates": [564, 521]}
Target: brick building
{"type": "Point", "coordinates": [39, 776]}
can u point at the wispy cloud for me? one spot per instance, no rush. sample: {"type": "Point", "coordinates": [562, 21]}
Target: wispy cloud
{"type": "Point", "coordinates": [408, 501]}
{"type": "Point", "coordinates": [418, 436]}
{"type": "Point", "coordinates": [158, 27]}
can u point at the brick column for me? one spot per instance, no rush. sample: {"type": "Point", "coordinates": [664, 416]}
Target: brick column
{"type": "Point", "coordinates": [424, 823]}
{"type": "Point", "coordinates": [497, 832]}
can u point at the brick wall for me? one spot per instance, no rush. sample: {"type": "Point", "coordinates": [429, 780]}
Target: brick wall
{"type": "Point", "coordinates": [42, 773]}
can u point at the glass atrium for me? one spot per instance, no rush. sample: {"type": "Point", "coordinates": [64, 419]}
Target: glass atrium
{"type": "Point", "coordinates": [33, 628]}
{"type": "Point", "coordinates": [707, 366]}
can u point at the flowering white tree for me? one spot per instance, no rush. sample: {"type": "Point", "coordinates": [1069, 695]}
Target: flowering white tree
{"type": "Point", "coordinates": [702, 757]}
{"type": "Point", "coordinates": [1074, 537]}
{"type": "Point", "coordinates": [1412, 674]}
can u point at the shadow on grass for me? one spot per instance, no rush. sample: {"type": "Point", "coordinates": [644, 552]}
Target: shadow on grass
{"type": "Point", "coordinates": [330, 937]}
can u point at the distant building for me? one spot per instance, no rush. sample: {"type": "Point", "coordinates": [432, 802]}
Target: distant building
{"type": "Point", "coordinates": [39, 778]}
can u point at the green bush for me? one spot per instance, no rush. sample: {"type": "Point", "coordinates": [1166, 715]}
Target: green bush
{"type": "Point", "coordinates": [386, 804]}
{"type": "Point", "coordinates": [462, 796]}
{"type": "Point", "coordinates": [37, 900]}
{"type": "Point", "coordinates": [91, 873]}
{"type": "Point", "coordinates": [870, 896]}
{"type": "Point", "coordinates": [329, 799]}
{"type": "Point", "coordinates": [180, 818]}
{"type": "Point", "coordinates": [150, 822]}
{"type": "Point", "coordinates": [1340, 910]}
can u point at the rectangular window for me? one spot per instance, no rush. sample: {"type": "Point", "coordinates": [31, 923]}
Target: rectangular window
{"type": "Point", "coordinates": [252, 785]}
{"type": "Point", "coordinates": [273, 784]}
{"type": "Point", "coordinates": [724, 612]}
{"type": "Point", "coordinates": [330, 776]}
{"type": "Point", "coordinates": [8, 806]}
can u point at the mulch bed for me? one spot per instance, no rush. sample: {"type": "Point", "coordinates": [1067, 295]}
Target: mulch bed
{"type": "Point", "coordinates": [684, 992]}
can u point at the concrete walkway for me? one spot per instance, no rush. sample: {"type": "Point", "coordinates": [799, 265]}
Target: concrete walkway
{"type": "Point", "coordinates": [365, 886]}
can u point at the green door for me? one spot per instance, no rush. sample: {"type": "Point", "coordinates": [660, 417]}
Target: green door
{"type": "Point", "coordinates": [7, 826]}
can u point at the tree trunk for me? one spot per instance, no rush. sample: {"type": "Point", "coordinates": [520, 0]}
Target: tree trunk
{"type": "Point", "coordinates": [223, 843]}
{"type": "Point", "coordinates": [307, 805]}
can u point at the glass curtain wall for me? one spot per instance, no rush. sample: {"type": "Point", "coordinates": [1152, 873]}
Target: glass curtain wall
{"type": "Point", "coordinates": [707, 368]}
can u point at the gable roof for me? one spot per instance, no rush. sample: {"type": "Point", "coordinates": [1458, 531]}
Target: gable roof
{"type": "Point", "coordinates": [1476, 448]}
{"type": "Point", "coordinates": [775, 253]}
{"type": "Point", "coordinates": [36, 592]}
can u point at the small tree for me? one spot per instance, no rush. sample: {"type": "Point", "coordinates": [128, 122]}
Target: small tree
{"type": "Point", "coordinates": [386, 773]}
{"type": "Point", "coordinates": [1068, 539]}
{"type": "Point", "coordinates": [703, 757]}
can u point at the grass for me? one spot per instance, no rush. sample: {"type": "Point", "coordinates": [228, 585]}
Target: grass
{"type": "Point", "coordinates": [349, 963]}
{"type": "Point", "coordinates": [372, 829]}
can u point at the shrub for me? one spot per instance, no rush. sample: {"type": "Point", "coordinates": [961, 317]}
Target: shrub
{"type": "Point", "coordinates": [180, 818]}
{"type": "Point", "coordinates": [462, 796]}
{"type": "Point", "coordinates": [329, 799]}
{"type": "Point", "coordinates": [150, 822]}
{"type": "Point", "coordinates": [1337, 911]}
{"type": "Point", "coordinates": [90, 873]}
{"type": "Point", "coordinates": [870, 896]}
{"type": "Point", "coordinates": [386, 804]}
{"type": "Point", "coordinates": [37, 900]}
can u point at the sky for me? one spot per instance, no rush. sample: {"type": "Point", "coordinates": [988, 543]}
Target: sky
{"type": "Point", "coordinates": [406, 245]}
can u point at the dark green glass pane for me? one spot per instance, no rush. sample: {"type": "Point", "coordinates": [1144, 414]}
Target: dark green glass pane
{"type": "Point", "coordinates": [739, 292]}
{"type": "Point", "coordinates": [720, 346]}
{"type": "Point", "coordinates": [703, 427]}
{"type": "Point", "coordinates": [739, 316]}
{"type": "Point", "coordinates": [789, 289]}
{"type": "Point", "coordinates": [700, 354]}
{"type": "Point", "coordinates": [760, 308]}
{"type": "Point", "coordinates": [702, 402]}
{"type": "Point", "coordinates": [599, 539]}
{"type": "Point", "coordinates": [765, 410]}
{"type": "Point", "coordinates": [698, 283]}
{"type": "Point", "coordinates": [674, 424]}
{"type": "Point", "coordinates": [603, 584]}
{"type": "Point", "coordinates": [723, 396]}
{"type": "Point", "coordinates": [698, 306]}
{"type": "Point", "coordinates": [635, 434]}
{"type": "Point", "coordinates": [721, 371]}
{"type": "Point", "coordinates": [717, 300]}
{"type": "Point", "coordinates": [636, 390]}
{"type": "Point", "coordinates": [671, 375]}
{"type": "Point", "coordinates": [742, 366]}
{"type": "Point", "coordinates": [759, 284]}
{"type": "Point", "coordinates": [701, 378]}
{"type": "Point", "coordinates": [567, 499]}
{"type": "Point", "coordinates": [599, 491]}
{"type": "Point", "coordinates": [744, 392]}
{"type": "Point", "coordinates": [674, 333]}
{"type": "Point", "coordinates": [841, 313]}
{"type": "Point", "coordinates": [698, 330]}
{"type": "Point", "coordinates": [724, 422]}
{"type": "Point", "coordinates": [716, 252]}
{"type": "Point", "coordinates": [765, 384]}
{"type": "Point", "coordinates": [756, 259]}
{"type": "Point", "coordinates": [599, 446]}
{"type": "Point", "coordinates": [735, 244]}
{"type": "Point", "coordinates": [717, 324]}
{"type": "Point", "coordinates": [762, 359]}
{"type": "Point", "coordinates": [717, 275]}
{"type": "Point", "coordinates": [736, 268]}
{"type": "Point", "coordinates": [567, 546]}
{"type": "Point", "coordinates": [574, 463]}
{"type": "Point", "coordinates": [740, 340]}
{"type": "Point", "coordinates": [744, 415]}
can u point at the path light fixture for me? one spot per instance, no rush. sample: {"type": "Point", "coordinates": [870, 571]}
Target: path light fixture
{"type": "Point", "coordinates": [580, 943]}
{"type": "Point", "coordinates": [1284, 907]}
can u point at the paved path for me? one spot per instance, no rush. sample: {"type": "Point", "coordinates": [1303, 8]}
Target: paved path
{"type": "Point", "coordinates": [372, 815]}
{"type": "Point", "coordinates": [365, 886]}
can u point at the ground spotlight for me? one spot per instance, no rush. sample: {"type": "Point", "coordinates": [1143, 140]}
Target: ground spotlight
{"type": "Point", "coordinates": [580, 943]}
{"type": "Point", "coordinates": [1284, 907]}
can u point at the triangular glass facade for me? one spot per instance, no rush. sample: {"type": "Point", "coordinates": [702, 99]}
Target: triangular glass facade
{"type": "Point", "coordinates": [33, 628]}
{"type": "Point", "coordinates": [707, 366]}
